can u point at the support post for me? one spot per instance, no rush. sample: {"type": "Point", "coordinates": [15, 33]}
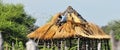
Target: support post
{"type": "Point", "coordinates": [78, 43]}
{"type": "Point", "coordinates": [102, 44]}
{"type": "Point", "coordinates": [52, 44]}
{"type": "Point", "coordinates": [93, 42]}
{"type": "Point", "coordinates": [99, 46]}
{"type": "Point", "coordinates": [58, 44]}
{"type": "Point", "coordinates": [96, 43]}
{"type": "Point", "coordinates": [108, 46]}
{"type": "Point", "coordinates": [48, 44]}
{"type": "Point", "coordinates": [87, 45]}
{"type": "Point", "coordinates": [105, 44]}
{"type": "Point", "coordinates": [44, 44]}
{"type": "Point", "coordinates": [83, 44]}
{"type": "Point", "coordinates": [92, 45]}
{"type": "Point", "coordinates": [65, 45]}
{"type": "Point", "coordinates": [61, 45]}
{"type": "Point", "coordinates": [89, 40]}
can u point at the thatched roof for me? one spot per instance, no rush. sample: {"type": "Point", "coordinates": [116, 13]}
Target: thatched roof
{"type": "Point", "coordinates": [68, 24]}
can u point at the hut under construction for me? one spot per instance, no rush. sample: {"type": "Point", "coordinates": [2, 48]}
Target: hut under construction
{"type": "Point", "coordinates": [69, 30]}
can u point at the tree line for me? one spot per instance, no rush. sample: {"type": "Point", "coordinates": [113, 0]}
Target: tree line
{"type": "Point", "coordinates": [15, 23]}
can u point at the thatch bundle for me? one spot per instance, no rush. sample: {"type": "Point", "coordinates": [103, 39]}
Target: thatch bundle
{"type": "Point", "coordinates": [73, 26]}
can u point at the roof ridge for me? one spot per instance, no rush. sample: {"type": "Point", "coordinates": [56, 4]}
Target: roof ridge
{"type": "Point", "coordinates": [71, 10]}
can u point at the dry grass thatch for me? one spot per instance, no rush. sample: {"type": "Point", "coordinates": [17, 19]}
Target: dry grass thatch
{"type": "Point", "coordinates": [73, 27]}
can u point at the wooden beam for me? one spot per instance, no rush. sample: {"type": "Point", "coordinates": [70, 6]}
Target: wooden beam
{"type": "Point", "coordinates": [61, 44]}
{"type": "Point", "coordinates": [48, 44]}
{"type": "Point", "coordinates": [93, 42]}
{"type": "Point", "coordinates": [108, 46]}
{"type": "Point", "coordinates": [99, 45]}
{"type": "Point", "coordinates": [86, 43]}
{"type": "Point", "coordinates": [58, 44]}
{"type": "Point", "coordinates": [78, 43]}
{"type": "Point", "coordinates": [96, 43]}
{"type": "Point", "coordinates": [105, 44]}
{"type": "Point", "coordinates": [38, 41]}
{"type": "Point", "coordinates": [65, 44]}
{"type": "Point", "coordinates": [89, 44]}
{"type": "Point", "coordinates": [44, 44]}
{"type": "Point", "coordinates": [92, 45]}
{"type": "Point", "coordinates": [81, 44]}
{"type": "Point", "coordinates": [52, 45]}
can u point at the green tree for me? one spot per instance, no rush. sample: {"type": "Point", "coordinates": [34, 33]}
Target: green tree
{"type": "Point", "coordinates": [15, 24]}
{"type": "Point", "coordinates": [115, 26]}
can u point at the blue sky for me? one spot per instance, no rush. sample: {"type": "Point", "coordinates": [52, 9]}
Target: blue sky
{"type": "Point", "coordinates": [99, 12]}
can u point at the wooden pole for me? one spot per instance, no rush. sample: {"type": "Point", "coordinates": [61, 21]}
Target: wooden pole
{"type": "Point", "coordinates": [78, 43]}
{"type": "Point", "coordinates": [96, 43]}
{"type": "Point", "coordinates": [92, 45]}
{"type": "Point", "coordinates": [44, 44]}
{"type": "Point", "coordinates": [61, 45]}
{"type": "Point", "coordinates": [99, 45]}
{"type": "Point", "coordinates": [65, 44]}
{"type": "Point", "coordinates": [102, 44]}
{"type": "Point", "coordinates": [1, 41]}
{"type": "Point", "coordinates": [58, 44]}
{"type": "Point", "coordinates": [48, 44]}
{"type": "Point", "coordinates": [52, 44]}
{"type": "Point", "coordinates": [108, 46]}
{"type": "Point", "coordinates": [86, 43]}
{"type": "Point", "coordinates": [105, 44]}
{"type": "Point", "coordinates": [81, 44]}
{"type": "Point", "coordinates": [89, 44]}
